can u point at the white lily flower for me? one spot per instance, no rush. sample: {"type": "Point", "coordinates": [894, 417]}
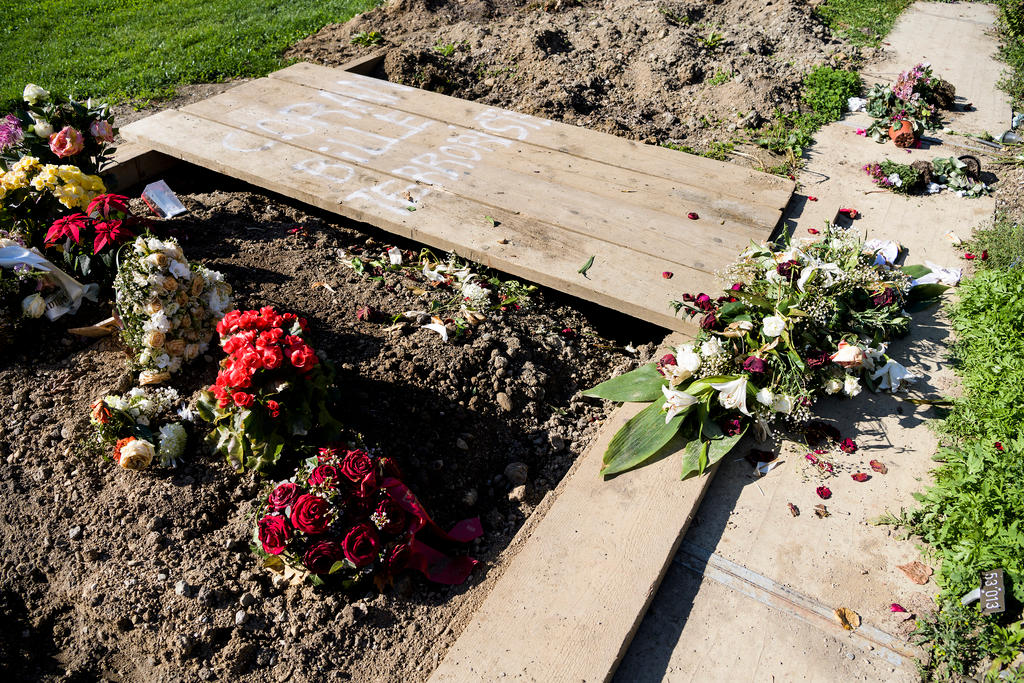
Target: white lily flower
{"type": "Point", "coordinates": [675, 374]}
{"type": "Point", "coordinates": [432, 275]}
{"type": "Point", "coordinates": [892, 375]}
{"type": "Point", "coordinates": [851, 386]}
{"type": "Point", "coordinates": [874, 356]}
{"type": "Point", "coordinates": [773, 326]}
{"type": "Point", "coordinates": [733, 395]}
{"type": "Point", "coordinates": [676, 402]}
{"type": "Point", "coordinates": [765, 397]}
{"type": "Point", "coordinates": [395, 256]}
{"type": "Point", "coordinates": [783, 404]}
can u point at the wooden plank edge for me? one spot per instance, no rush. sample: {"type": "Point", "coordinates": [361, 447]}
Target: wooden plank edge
{"type": "Point", "coordinates": [135, 163]}
{"type": "Point", "coordinates": [606, 654]}
{"type": "Point", "coordinates": [365, 65]}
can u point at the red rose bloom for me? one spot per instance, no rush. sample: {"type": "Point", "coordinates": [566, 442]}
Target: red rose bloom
{"type": "Point", "coordinates": [389, 517]}
{"type": "Point", "coordinates": [324, 475]}
{"type": "Point", "coordinates": [398, 558]}
{"type": "Point", "coordinates": [273, 408]}
{"type": "Point", "coordinates": [310, 514]}
{"type": "Point", "coordinates": [242, 399]}
{"type": "Point", "coordinates": [282, 496]}
{"type": "Point", "coordinates": [360, 545]}
{"type": "Point", "coordinates": [274, 534]}
{"type": "Point", "coordinates": [304, 358]}
{"type": "Point", "coordinates": [358, 468]}
{"type": "Point", "coordinates": [321, 557]}
{"type": "Point", "coordinates": [667, 359]}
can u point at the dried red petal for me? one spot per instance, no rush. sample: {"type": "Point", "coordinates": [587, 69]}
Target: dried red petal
{"type": "Point", "coordinates": [896, 607]}
{"type": "Point", "coordinates": [969, 256]}
{"type": "Point", "coordinates": [793, 509]}
{"type": "Point", "coordinates": [813, 231]}
{"type": "Point", "coordinates": [811, 198]}
{"type": "Point", "coordinates": [812, 458]}
{"type": "Point", "coordinates": [667, 275]}
{"type": "Point", "coordinates": [692, 215]}
{"type": "Point", "coordinates": [823, 492]}
{"type": "Point", "coordinates": [860, 476]}
{"type": "Point", "coordinates": [984, 255]}
{"type": "Point", "coordinates": [848, 446]}
{"type": "Point", "coordinates": [852, 213]}
{"type": "Point", "coordinates": [821, 511]}
{"type": "Point", "coordinates": [999, 446]}
{"type": "Point", "coordinates": [879, 467]}
{"type": "Point", "coordinates": [365, 313]}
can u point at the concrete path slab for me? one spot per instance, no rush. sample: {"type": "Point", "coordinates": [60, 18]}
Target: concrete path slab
{"type": "Point", "coordinates": [702, 630]}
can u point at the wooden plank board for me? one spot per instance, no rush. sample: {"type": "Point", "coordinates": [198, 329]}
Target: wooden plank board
{"type": "Point", "coordinates": [441, 170]}
{"type": "Point", "coordinates": [569, 603]}
{"type": "Point", "coordinates": [724, 187]}
{"type": "Point", "coordinates": [626, 281]}
{"type": "Point", "coordinates": [484, 170]}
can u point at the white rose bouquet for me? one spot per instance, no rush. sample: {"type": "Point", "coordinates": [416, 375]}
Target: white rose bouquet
{"type": "Point", "coordinates": [126, 427]}
{"type": "Point", "coordinates": [169, 308]}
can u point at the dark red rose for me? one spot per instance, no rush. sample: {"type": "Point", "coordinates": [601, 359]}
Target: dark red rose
{"type": "Point", "coordinates": [274, 534]}
{"type": "Point", "coordinates": [282, 496]}
{"type": "Point", "coordinates": [324, 475]}
{"type": "Point", "coordinates": [389, 517]}
{"type": "Point", "coordinates": [732, 427]}
{"type": "Point", "coordinates": [689, 298]}
{"type": "Point", "coordinates": [398, 558]}
{"type": "Point", "coordinates": [788, 269]}
{"type": "Point", "coordinates": [321, 557]}
{"type": "Point", "coordinates": [310, 514]}
{"type": "Point", "coordinates": [360, 545]}
{"type": "Point", "coordinates": [667, 359]}
{"type": "Point", "coordinates": [848, 446]}
{"type": "Point", "coordinates": [704, 302]}
{"type": "Point", "coordinates": [753, 364]}
{"type": "Point", "coordinates": [887, 297]}
{"type": "Point", "coordinates": [389, 469]}
{"type": "Point", "coordinates": [708, 322]}
{"type": "Point", "coordinates": [357, 466]}
{"type": "Point", "coordinates": [737, 287]}
{"type": "Point", "coordinates": [818, 359]}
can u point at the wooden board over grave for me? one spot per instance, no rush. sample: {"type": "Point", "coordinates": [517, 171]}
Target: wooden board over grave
{"type": "Point", "coordinates": [530, 197]}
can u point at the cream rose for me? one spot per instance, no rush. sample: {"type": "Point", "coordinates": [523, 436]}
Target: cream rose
{"type": "Point", "coordinates": [157, 260]}
{"type": "Point", "coordinates": [197, 285]}
{"type": "Point", "coordinates": [33, 93]}
{"type": "Point", "coordinates": [848, 356]}
{"type": "Point", "coordinates": [773, 326]}
{"type": "Point", "coordinates": [170, 284]}
{"type": "Point", "coordinates": [137, 454]}
{"type": "Point", "coordinates": [176, 347]}
{"type": "Point", "coordinates": [191, 351]}
{"type": "Point", "coordinates": [154, 339]}
{"type": "Point", "coordinates": [154, 307]}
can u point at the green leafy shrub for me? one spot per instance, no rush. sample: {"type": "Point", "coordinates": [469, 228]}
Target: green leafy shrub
{"type": "Point", "coordinates": [826, 91]}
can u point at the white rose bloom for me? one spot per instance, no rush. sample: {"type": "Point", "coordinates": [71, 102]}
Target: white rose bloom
{"type": "Point", "coordinates": [43, 129]}
{"type": "Point", "coordinates": [676, 402]}
{"type": "Point", "coordinates": [833, 386]}
{"type": "Point", "coordinates": [733, 395]}
{"type": "Point", "coordinates": [179, 270]}
{"type": "Point", "coordinates": [711, 348]}
{"type": "Point", "coordinates": [137, 455]}
{"type": "Point", "coordinates": [33, 306]}
{"type": "Point", "coordinates": [783, 404]}
{"type": "Point", "coordinates": [162, 361]}
{"type": "Point", "coordinates": [773, 326]}
{"type": "Point", "coordinates": [765, 397]}
{"type": "Point", "coordinates": [154, 244]}
{"type": "Point", "coordinates": [687, 359]}
{"type": "Point", "coordinates": [142, 420]}
{"type": "Point", "coordinates": [172, 443]}
{"type": "Point", "coordinates": [851, 386]}
{"type": "Point", "coordinates": [172, 250]}
{"type": "Point", "coordinates": [33, 94]}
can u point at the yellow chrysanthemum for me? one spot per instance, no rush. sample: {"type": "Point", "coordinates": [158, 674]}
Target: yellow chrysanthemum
{"type": "Point", "coordinates": [70, 174]}
{"type": "Point", "coordinates": [47, 178]}
{"type": "Point", "coordinates": [25, 164]}
{"type": "Point", "coordinates": [93, 183]}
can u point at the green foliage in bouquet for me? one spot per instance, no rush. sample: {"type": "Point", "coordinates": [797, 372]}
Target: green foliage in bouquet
{"type": "Point", "coordinates": [917, 96]}
{"type": "Point", "coordinates": [799, 321]}
{"type": "Point", "coordinates": [272, 390]}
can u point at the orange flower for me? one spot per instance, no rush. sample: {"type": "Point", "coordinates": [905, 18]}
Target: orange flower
{"type": "Point", "coordinates": [119, 445]}
{"type": "Point", "coordinates": [100, 412]}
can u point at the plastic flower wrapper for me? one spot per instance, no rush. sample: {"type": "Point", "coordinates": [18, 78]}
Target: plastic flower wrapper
{"type": "Point", "coordinates": [169, 308]}
{"type": "Point", "coordinates": [347, 517]}
{"type": "Point", "coordinates": [138, 427]}
{"type": "Point", "coordinates": [795, 322]}
{"type": "Point", "coordinates": [272, 390]}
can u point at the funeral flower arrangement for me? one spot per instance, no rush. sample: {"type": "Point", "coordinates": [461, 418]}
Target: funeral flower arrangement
{"type": "Point", "coordinates": [83, 238]}
{"type": "Point", "coordinates": [346, 515]}
{"type": "Point", "coordinates": [959, 175]}
{"type": "Point", "coordinates": [138, 427]}
{"type": "Point", "coordinates": [799, 321]}
{"type": "Point", "coordinates": [33, 194]}
{"type": "Point", "coordinates": [55, 128]}
{"type": "Point", "coordinates": [916, 97]}
{"type": "Point", "coordinates": [272, 389]}
{"type": "Point", "coordinates": [168, 307]}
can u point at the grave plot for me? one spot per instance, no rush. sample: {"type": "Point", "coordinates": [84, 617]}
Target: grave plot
{"type": "Point", "coordinates": [531, 197]}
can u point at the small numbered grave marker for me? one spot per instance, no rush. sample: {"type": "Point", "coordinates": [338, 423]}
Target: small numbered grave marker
{"type": "Point", "coordinates": [993, 592]}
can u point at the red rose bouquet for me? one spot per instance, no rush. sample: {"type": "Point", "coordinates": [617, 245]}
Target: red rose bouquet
{"type": "Point", "coordinates": [346, 514]}
{"type": "Point", "coordinates": [271, 389]}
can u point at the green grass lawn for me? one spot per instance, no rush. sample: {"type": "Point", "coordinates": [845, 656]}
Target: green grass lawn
{"type": "Point", "coordinates": [121, 49]}
{"type": "Point", "coordinates": [864, 22]}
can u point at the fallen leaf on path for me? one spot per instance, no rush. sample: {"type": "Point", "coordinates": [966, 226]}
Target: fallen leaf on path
{"type": "Point", "coordinates": [821, 511]}
{"type": "Point", "coordinates": [848, 619]}
{"type": "Point", "coordinates": [586, 266]}
{"type": "Point", "coordinates": [879, 467]}
{"type": "Point", "coordinates": [916, 572]}
{"type": "Point", "coordinates": [793, 510]}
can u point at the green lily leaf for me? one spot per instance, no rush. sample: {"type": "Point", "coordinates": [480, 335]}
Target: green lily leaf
{"type": "Point", "coordinates": [642, 384]}
{"type": "Point", "coordinates": [640, 438]}
{"type": "Point", "coordinates": [916, 271]}
{"type": "Point", "coordinates": [924, 296]}
{"type": "Point", "coordinates": [702, 454]}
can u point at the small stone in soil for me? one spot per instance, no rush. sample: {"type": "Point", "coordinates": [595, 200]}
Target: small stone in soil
{"type": "Point", "coordinates": [181, 588]}
{"type": "Point", "coordinates": [517, 473]}
{"type": "Point", "coordinates": [518, 494]}
{"type": "Point", "coordinates": [75, 533]}
{"type": "Point", "coordinates": [504, 401]}
{"type": "Point", "coordinates": [240, 617]}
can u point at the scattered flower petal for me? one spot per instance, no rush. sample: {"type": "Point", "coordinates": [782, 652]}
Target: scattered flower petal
{"type": "Point", "coordinates": [667, 275]}
{"type": "Point", "coordinates": [821, 511]}
{"type": "Point", "coordinates": [848, 619]}
{"type": "Point", "coordinates": [793, 509]}
{"type": "Point", "coordinates": [896, 607]}
{"type": "Point", "coordinates": [848, 446]}
{"type": "Point", "coordinates": [984, 255]}
{"type": "Point", "coordinates": [813, 459]}
{"type": "Point", "coordinates": [916, 572]}
{"type": "Point", "coordinates": [860, 476]}
{"type": "Point", "coordinates": [813, 231]}
{"type": "Point", "coordinates": [812, 198]}
{"type": "Point", "coordinates": [851, 213]}
{"type": "Point", "coordinates": [879, 467]}
{"type": "Point", "coordinates": [862, 132]}
{"type": "Point", "coordinates": [692, 215]}
{"type": "Point", "coordinates": [440, 329]}
{"type": "Point", "coordinates": [823, 492]}
{"type": "Point", "coordinates": [999, 446]}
